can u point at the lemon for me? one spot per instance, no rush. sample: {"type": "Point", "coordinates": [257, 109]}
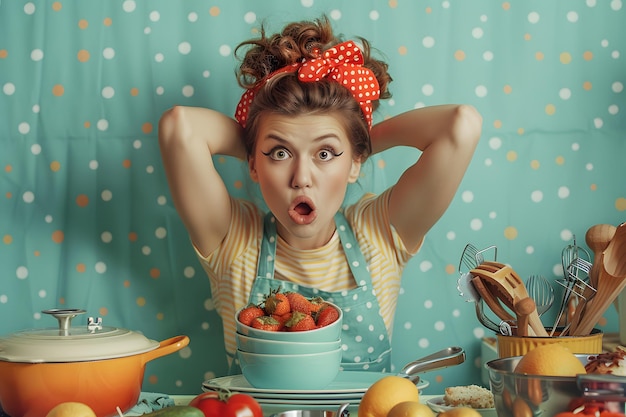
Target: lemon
{"type": "Point", "coordinates": [71, 409]}
{"type": "Point", "coordinates": [410, 409]}
{"type": "Point", "coordinates": [550, 360]}
{"type": "Point", "coordinates": [384, 394]}
{"type": "Point", "coordinates": [461, 412]}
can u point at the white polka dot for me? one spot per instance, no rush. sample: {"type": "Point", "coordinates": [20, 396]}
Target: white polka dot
{"type": "Point", "coordinates": [428, 304]}
{"type": "Point", "coordinates": [425, 266]}
{"type": "Point", "coordinates": [617, 87]}
{"type": "Point", "coordinates": [128, 6]}
{"type": "Point", "coordinates": [477, 33]}
{"type": "Point", "coordinates": [159, 91]}
{"type": "Point", "coordinates": [476, 224]}
{"type": "Point", "coordinates": [533, 17]}
{"type": "Point", "coordinates": [108, 92]}
{"type": "Point", "coordinates": [146, 250]}
{"type": "Point", "coordinates": [159, 57]}
{"type": "Point", "coordinates": [616, 5]}
{"type": "Point", "coordinates": [249, 18]}
{"type": "Point", "coordinates": [188, 91]}
{"type": "Point", "coordinates": [358, 338]}
{"type": "Point", "coordinates": [440, 326]}
{"type": "Point", "coordinates": [565, 93]}
{"type": "Point", "coordinates": [428, 42]}
{"type": "Point", "coordinates": [4, 299]}
{"type": "Point", "coordinates": [481, 91]}
{"type": "Point", "coordinates": [192, 17]}
{"type": "Point", "coordinates": [36, 55]}
{"type": "Point", "coordinates": [21, 272]}
{"type": "Point", "coordinates": [36, 108]}
{"type": "Point", "coordinates": [35, 149]}
{"type": "Point", "coordinates": [108, 53]}
{"type": "Point", "coordinates": [566, 235]}
{"type": "Point", "coordinates": [359, 318]}
{"type": "Point", "coordinates": [488, 56]}
{"type": "Point", "coordinates": [147, 30]}
{"type": "Point", "coordinates": [106, 195]}
{"type": "Point", "coordinates": [93, 165]}
{"type": "Point", "coordinates": [28, 197]}
{"type": "Point", "coordinates": [23, 128]}
{"type": "Point", "coordinates": [423, 343]}
{"type": "Point", "coordinates": [155, 16]}
{"type": "Point", "coordinates": [451, 235]}
{"type": "Point", "coordinates": [563, 192]}
{"type": "Point", "coordinates": [495, 143]}
{"type": "Point", "coordinates": [536, 196]}
{"type": "Point", "coordinates": [467, 196]}
{"type": "Point", "coordinates": [224, 50]}
{"type": "Point", "coordinates": [29, 8]}
{"type": "Point", "coordinates": [598, 122]}
{"type": "Point", "coordinates": [184, 48]}
{"type": "Point", "coordinates": [100, 267]}
{"type": "Point", "coordinates": [428, 89]}
{"type": "Point", "coordinates": [479, 332]}
{"type": "Point", "coordinates": [374, 15]}
{"type": "Point", "coordinates": [8, 89]}
{"type": "Point", "coordinates": [613, 109]}
{"type": "Point", "coordinates": [106, 237]}
{"type": "Point", "coordinates": [530, 250]}
{"type": "Point", "coordinates": [335, 14]}
{"type": "Point", "coordinates": [160, 232]}
{"type": "Point", "coordinates": [102, 124]}
{"type": "Point", "coordinates": [572, 17]}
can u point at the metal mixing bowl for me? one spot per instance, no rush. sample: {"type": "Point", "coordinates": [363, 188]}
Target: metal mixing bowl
{"type": "Point", "coordinates": [520, 395]}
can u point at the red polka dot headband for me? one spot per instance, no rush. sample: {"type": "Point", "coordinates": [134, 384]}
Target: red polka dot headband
{"type": "Point", "coordinates": [341, 63]}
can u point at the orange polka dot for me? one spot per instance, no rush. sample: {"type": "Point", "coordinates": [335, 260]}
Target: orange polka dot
{"type": "Point", "coordinates": [8, 168]}
{"type": "Point", "coordinates": [132, 236]}
{"type": "Point", "coordinates": [153, 379]}
{"type": "Point", "coordinates": [62, 301]}
{"type": "Point", "coordinates": [450, 269]}
{"type": "Point", "coordinates": [381, 164]}
{"type": "Point", "coordinates": [9, 194]}
{"type": "Point", "coordinates": [82, 24]}
{"type": "Point", "coordinates": [58, 236]}
{"type": "Point", "coordinates": [58, 90]}
{"type": "Point", "coordinates": [459, 55]}
{"type": "Point", "coordinates": [520, 131]}
{"type": "Point", "coordinates": [539, 56]}
{"type": "Point", "coordinates": [126, 163]}
{"type": "Point", "coordinates": [588, 55]}
{"type": "Point", "coordinates": [587, 85]}
{"type": "Point", "coordinates": [56, 6]}
{"type": "Point", "coordinates": [439, 378]}
{"type": "Point", "coordinates": [160, 316]}
{"type": "Point", "coordinates": [155, 273]}
{"type": "Point", "coordinates": [55, 166]}
{"type": "Point", "coordinates": [146, 127]}
{"type": "Point", "coordinates": [214, 11]}
{"type": "Point", "coordinates": [134, 91]}
{"type": "Point", "coordinates": [497, 124]}
{"type": "Point", "coordinates": [527, 37]}
{"type": "Point", "coordinates": [511, 156]}
{"type": "Point", "coordinates": [3, 53]}
{"type": "Point", "coordinates": [37, 253]}
{"type": "Point", "coordinates": [7, 239]}
{"type": "Point", "coordinates": [534, 164]}
{"type": "Point", "coordinates": [550, 109]}
{"type": "Point", "coordinates": [107, 21]}
{"type": "Point", "coordinates": [506, 5]}
{"type": "Point", "coordinates": [103, 311]}
{"type": "Point", "coordinates": [81, 268]}
{"type": "Point", "coordinates": [126, 283]}
{"type": "Point", "coordinates": [393, 4]}
{"type": "Point", "coordinates": [429, 10]}
{"type": "Point", "coordinates": [593, 187]}
{"type": "Point", "coordinates": [82, 200]}
{"type": "Point", "coordinates": [141, 301]}
{"type": "Point", "coordinates": [510, 233]}
{"type": "Point", "coordinates": [560, 160]}
{"type": "Point", "coordinates": [87, 124]}
{"type": "Point", "coordinates": [507, 89]}
{"type": "Point", "coordinates": [565, 58]}
{"type": "Point", "coordinates": [83, 55]}
{"type": "Point", "coordinates": [238, 184]}
{"type": "Point", "coordinates": [402, 50]}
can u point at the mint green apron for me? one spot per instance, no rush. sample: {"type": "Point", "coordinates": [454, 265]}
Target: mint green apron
{"type": "Point", "coordinates": [364, 337]}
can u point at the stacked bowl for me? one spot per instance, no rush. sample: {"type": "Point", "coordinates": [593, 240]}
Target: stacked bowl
{"type": "Point", "coordinates": [290, 360]}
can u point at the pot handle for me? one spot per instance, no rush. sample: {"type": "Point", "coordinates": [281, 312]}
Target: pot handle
{"type": "Point", "coordinates": [166, 347]}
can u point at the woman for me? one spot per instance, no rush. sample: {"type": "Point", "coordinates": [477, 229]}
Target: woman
{"type": "Point", "coordinates": [304, 126]}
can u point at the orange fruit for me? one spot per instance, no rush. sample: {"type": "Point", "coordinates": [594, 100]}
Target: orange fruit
{"type": "Point", "coordinates": [384, 394]}
{"type": "Point", "coordinates": [410, 409]}
{"type": "Point", "coordinates": [71, 409]}
{"type": "Point", "coordinates": [550, 360]}
{"type": "Point", "coordinates": [460, 412]}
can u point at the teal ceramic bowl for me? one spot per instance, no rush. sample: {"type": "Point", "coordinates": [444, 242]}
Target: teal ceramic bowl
{"type": "Point", "coordinates": [307, 371]}
{"type": "Point", "coordinates": [329, 333]}
{"type": "Point", "coordinates": [281, 347]}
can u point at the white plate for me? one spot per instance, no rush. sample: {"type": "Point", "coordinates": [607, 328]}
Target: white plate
{"type": "Point", "coordinates": [348, 385]}
{"type": "Point", "coordinates": [438, 406]}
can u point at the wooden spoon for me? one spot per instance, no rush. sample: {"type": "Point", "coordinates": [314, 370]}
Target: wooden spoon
{"type": "Point", "coordinates": [611, 281]}
{"type": "Point", "coordinates": [598, 238]}
{"type": "Point", "coordinates": [523, 310]}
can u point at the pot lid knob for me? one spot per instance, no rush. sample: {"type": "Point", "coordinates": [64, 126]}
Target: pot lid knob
{"type": "Point", "coordinates": [64, 317]}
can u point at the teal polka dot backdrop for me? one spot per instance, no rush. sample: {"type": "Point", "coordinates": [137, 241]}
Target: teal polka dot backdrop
{"type": "Point", "coordinates": [86, 218]}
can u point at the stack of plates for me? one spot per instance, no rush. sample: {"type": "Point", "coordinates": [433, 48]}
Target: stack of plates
{"type": "Point", "coordinates": [348, 387]}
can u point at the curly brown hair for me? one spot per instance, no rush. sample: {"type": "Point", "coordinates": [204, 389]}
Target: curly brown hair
{"type": "Point", "coordinates": [284, 94]}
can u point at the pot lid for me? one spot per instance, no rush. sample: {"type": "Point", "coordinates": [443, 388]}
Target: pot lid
{"type": "Point", "coordinates": [73, 344]}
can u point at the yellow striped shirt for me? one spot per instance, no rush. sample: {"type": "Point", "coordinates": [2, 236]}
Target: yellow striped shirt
{"type": "Point", "coordinates": [232, 266]}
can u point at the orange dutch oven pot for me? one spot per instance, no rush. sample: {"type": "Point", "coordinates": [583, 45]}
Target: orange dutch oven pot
{"type": "Point", "coordinates": [100, 366]}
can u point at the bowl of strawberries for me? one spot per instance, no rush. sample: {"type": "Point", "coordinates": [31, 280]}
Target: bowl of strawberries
{"type": "Point", "coordinates": [293, 333]}
{"type": "Point", "coordinates": [291, 317]}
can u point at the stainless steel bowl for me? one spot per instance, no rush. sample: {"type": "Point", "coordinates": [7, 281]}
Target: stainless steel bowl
{"type": "Point", "coordinates": [520, 395]}
{"type": "Point", "coordinates": [341, 412]}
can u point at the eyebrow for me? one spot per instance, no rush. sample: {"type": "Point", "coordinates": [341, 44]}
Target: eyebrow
{"type": "Point", "coordinates": [317, 139]}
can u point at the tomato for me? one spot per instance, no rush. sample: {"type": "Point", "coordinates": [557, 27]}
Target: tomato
{"type": "Point", "coordinates": [226, 404]}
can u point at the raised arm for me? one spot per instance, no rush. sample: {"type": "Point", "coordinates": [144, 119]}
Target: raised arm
{"type": "Point", "coordinates": [189, 137]}
{"type": "Point", "coordinates": [447, 136]}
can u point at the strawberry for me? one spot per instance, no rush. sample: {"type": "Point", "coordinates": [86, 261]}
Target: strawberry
{"type": "Point", "coordinates": [266, 323]}
{"type": "Point", "coordinates": [316, 303]}
{"type": "Point", "coordinates": [298, 302]}
{"type": "Point", "coordinates": [300, 322]}
{"type": "Point", "coordinates": [282, 319]}
{"type": "Point", "coordinates": [249, 313]}
{"type": "Point", "coordinates": [277, 303]}
{"type": "Point", "coordinates": [327, 315]}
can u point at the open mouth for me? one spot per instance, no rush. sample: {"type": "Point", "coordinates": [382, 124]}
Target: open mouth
{"type": "Point", "coordinates": [302, 211]}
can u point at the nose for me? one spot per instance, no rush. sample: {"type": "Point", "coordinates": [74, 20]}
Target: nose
{"type": "Point", "coordinates": [301, 176]}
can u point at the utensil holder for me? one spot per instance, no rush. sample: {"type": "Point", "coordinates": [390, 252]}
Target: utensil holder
{"type": "Point", "coordinates": [509, 346]}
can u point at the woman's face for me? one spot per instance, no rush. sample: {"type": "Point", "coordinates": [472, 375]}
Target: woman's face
{"type": "Point", "coordinates": [303, 165]}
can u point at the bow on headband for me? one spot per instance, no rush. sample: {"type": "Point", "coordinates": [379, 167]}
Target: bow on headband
{"type": "Point", "coordinates": [341, 63]}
